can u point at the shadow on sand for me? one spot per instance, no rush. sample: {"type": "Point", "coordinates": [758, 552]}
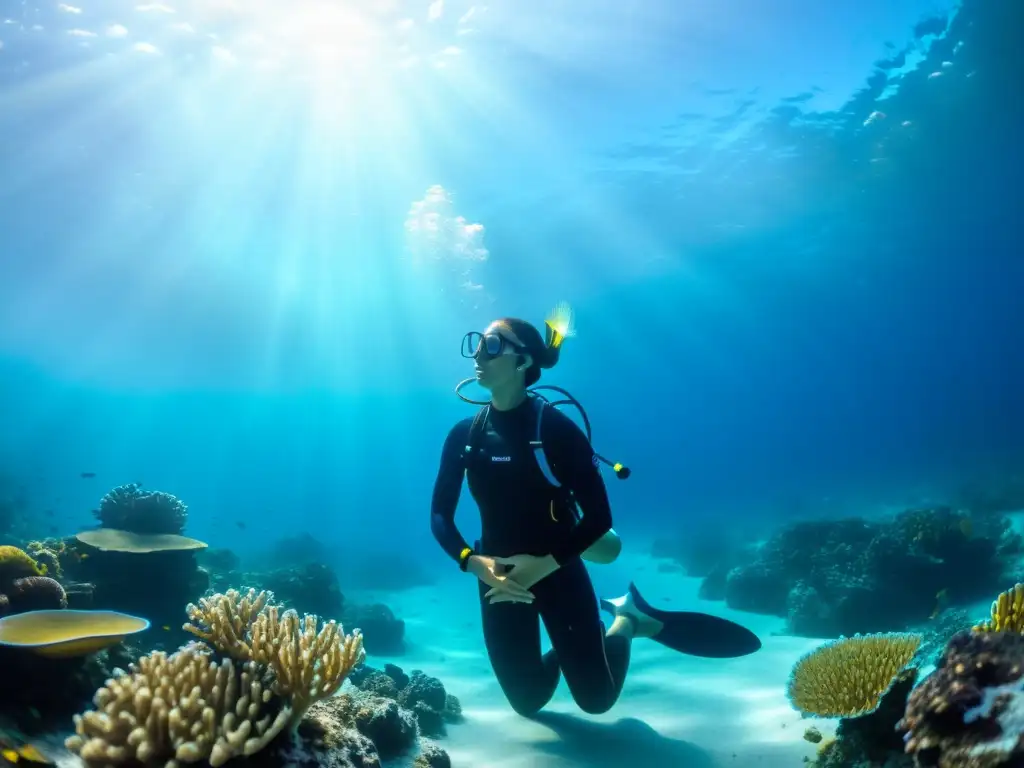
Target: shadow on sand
{"type": "Point", "coordinates": [625, 742]}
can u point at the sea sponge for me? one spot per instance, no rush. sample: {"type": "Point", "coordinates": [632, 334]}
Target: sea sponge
{"type": "Point", "coordinates": [1007, 613]}
{"type": "Point", "coordinates": [33, 593]}
{"type": "Point", "coordinates": [848, 677]}
{"type": "Point", "coordinates": [309, 662]}
{"type": "Point", "coordinates": [15, 563]}
{"type": "Point", "coordinates": [130, 508]}
{"type": "Point", "coordinates": [183, 708]}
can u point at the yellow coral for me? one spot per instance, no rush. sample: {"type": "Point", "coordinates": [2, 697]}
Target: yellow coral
{"type": "Point", "coordinates": [1007, 613]}
{"type": "Point", "coordinates": [183, 708]}
{"type": "Point", "coordinates": [849, 676]}
{"type": "Point", "coordinates": [309, 662]}
{"type": "Point", "coordinates": [16, 563]}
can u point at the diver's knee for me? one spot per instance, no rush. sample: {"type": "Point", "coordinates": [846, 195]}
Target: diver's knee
{"type": "Point", "coordinates": [596, 705]}
{"type": "Point", "coordinates": [605, 550]}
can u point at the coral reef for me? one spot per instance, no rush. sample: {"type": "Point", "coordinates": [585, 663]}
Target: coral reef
{"type": "Point", "coordinates": [849, 676]}
{"type": "Point", "coordinates": [23, 587]}
{"type": "Point", "coordinates": [425, 696]}
{"type": "Point", "coordinates": [967, 714]}
{"type": "Point", "coordinates": [1007, 612]}
{"type": "Point", "coordinates": [871, 740]}
{"type": "Point", "coordinates": [842, 577]}
{"type": "Point", "coordinates": [358, 731]}
{"type": "Point", "coordinates": [309, 664]}
{"type": "Point", "coordinates": [129, 508]}
{"type": "Point", "coordinates": [139, 562]}
{"type": "Point", "coordinates": [260, 684]}
{"type": "Point", "coordinates": [312, 587]}
{"type": "Point", "coordinates": [16, 563]}
{"type": "Point", "coordinates": [936, 633]}
{"type": "Point", "coordinates": [185, 707]}
{"type": "Point", "coordinates": [34, 593]}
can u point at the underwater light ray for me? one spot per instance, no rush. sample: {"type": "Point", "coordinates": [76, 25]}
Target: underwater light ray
{"type": "Point", "coordinates": [163, 279]}
{"type": "Point", "coordinates": [41, 163]}
{"type": "Point", "coordinates": [291, 283]}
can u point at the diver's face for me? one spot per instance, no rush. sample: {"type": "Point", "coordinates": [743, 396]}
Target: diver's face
{"type": "Point", "coordinates": [495, 372]}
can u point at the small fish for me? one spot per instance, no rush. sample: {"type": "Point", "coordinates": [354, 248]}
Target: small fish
{"type": "Point", "coordinates": [166, 628]}
{"type": "Point", "coordinates": [87, 475]}
{"type": "Point", "coordinates": [966, 527]}
{"type": "Point", "coordinates": [13, 754]}
{"type": "Point", "coordinates": [240, 524]}
{"type": "Point", "coordinates": [941, 600]}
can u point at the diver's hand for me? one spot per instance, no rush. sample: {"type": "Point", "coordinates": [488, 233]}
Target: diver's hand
{"type": "Point", "coordinates": [490, 573]}
{"type": "Point", "coordinates": [526, 570]}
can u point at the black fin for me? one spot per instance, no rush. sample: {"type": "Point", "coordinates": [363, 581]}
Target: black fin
{"type": "Point", "coordinates": [698, 634]}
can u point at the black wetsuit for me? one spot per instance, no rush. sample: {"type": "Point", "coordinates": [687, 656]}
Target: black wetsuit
{"type": "Point", "coordinates": [522, 513]}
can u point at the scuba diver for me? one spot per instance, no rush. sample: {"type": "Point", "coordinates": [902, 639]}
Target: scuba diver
{"type": "Point", "coordinates": [544, 510]}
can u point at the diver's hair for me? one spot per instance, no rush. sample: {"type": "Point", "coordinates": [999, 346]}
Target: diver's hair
{"type": "Point", "coordinates": [544, 355]}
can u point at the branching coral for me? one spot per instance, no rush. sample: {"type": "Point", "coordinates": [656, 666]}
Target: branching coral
{"type": "Point", "coordinates": [224, 621]}
{"type": "Point", "coordinates": [308, 663]}
{"type": "Point", "coordinates": [129, 508]}
{"type": "Point", "coordinates": [1007, 613]}
{"type": "Point", "coordinates": [177, 709]}
{"type": "Point", "coordinates": [849, 676]}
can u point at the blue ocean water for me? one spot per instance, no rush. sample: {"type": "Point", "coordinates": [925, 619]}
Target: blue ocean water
{"type": "Point", "coordinates": [240, 244]}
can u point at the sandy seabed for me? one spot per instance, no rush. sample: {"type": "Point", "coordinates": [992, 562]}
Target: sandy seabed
{"type": "Point", "coordinates": [674, 711]}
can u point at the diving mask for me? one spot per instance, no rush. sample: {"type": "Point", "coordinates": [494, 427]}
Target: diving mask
{"type": "Point", "coordinates": [486, 345]}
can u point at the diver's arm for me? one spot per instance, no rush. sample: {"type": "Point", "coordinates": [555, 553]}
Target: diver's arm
{"type": "Point", "coordinates": [575, 468]}
{"type": "Point", "coordinates": [447, 488]}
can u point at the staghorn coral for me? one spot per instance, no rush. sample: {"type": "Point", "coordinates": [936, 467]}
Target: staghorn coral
{"type": "Point", "coordinates": [15, 563]}
{"type": "Point", "coordinates": [1007, 613]}
{"type": "Point", "coordinates": [129, 508]}
{"type": "Point", "coordinates": [309, 662]}
{"type": "Point", "coordinates": [848, 677]}
{"type": "Point", "coordinates": [176, 709]}
{"type": "Point", "coordinates": [224, 621]}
